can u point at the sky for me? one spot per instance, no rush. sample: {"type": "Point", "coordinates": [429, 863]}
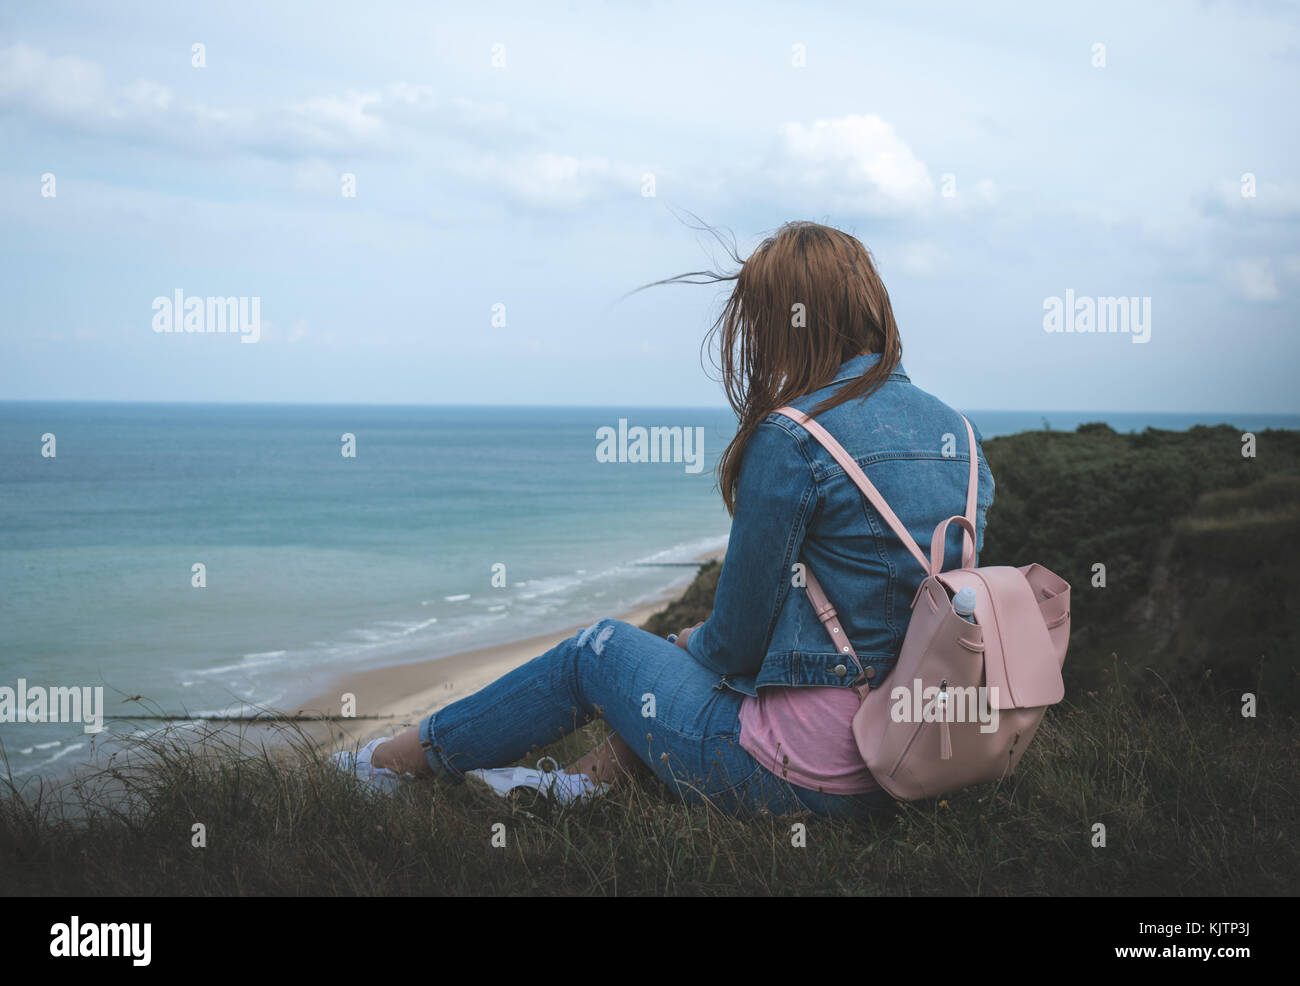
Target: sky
{"type": "Point", "coordinates": [518, 168]}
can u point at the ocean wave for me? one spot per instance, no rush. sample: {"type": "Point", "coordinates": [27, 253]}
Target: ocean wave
{"type": "Point", "coordinates": [248, 661]}
{"type": "Point", "coordinates": [465, 621]}
{"type": "Point", "coordinates": [32, 768]}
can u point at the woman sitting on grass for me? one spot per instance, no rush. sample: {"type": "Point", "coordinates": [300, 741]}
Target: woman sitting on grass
{"type": "Point", "coordinates": [752, 709]}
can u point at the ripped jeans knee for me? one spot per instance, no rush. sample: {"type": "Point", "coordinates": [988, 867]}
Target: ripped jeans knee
{"type": "Point", "coordinates": [597, 635]}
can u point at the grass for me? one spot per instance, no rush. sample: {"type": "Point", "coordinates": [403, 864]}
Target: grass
{"type": "Point", "coordinates": [1191, 804]}
{"type": "Point", "coordinates": [1194, 797]}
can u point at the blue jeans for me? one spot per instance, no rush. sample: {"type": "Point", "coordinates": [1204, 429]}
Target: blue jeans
{"type": "Point", "coordinates": [668, 708]}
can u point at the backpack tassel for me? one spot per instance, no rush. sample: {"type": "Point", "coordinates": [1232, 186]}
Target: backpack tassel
{"type": "Point", "coordinates": [941, 706]}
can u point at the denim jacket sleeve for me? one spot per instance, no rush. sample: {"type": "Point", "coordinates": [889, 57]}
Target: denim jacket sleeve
{"type": "Point", "coordinates": [775, 498]}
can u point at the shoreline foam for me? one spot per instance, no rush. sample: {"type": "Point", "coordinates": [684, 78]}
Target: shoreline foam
{"type": "Point", "coordinates": [403, 694]}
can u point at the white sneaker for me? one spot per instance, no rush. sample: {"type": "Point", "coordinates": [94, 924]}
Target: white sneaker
{"type": "Point", "coordinates": [554, 783]}
{"type": "Point", "coordinates": [379, 779]}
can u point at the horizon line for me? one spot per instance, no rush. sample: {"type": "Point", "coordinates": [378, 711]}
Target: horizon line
{"type": "Point", "coordinates": [691, 407]}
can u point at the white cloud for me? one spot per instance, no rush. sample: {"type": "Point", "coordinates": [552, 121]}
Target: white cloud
{"type": "Point", "coordinates": [1252, 279]}
{"type": "Point", "coordinates": [71, 89]}
{"type": "Point", "coordinates": [852, 162]}
{"type": "Point", "coordinates": [146, 97]}
{"type": "Point", "coordinates": [479, 142]}
{"type": "Point", "coordinates": [555, 181]}
{"type": "Point", "coordinates": [77, 94]}
{"type": "Point", "coordinates": [344, 122]}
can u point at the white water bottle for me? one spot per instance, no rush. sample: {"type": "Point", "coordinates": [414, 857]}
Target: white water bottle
{"type": "Point", "coordinates": [964, 603]}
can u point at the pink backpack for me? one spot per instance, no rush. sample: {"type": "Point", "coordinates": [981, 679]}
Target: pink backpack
{"type": "Point", "coordinates": [965, 699]}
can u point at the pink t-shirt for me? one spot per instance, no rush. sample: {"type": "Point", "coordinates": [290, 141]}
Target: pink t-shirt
{"type": "Point", "coordinates": [805, 735]}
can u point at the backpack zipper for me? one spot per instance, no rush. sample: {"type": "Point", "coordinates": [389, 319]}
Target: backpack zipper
{"type": "Point", "coordinates": [945, 738]}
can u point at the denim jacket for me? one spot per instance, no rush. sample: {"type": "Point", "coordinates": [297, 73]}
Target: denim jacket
{"type": "Point", "coordinates": [794, 503]}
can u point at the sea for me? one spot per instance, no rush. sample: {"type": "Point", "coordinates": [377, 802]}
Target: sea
{"type": "Point", "coordinates": [208, 559]}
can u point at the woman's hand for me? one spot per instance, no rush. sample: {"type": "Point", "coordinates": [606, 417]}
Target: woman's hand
{"type": "Point", "coordinates": [681, 636]}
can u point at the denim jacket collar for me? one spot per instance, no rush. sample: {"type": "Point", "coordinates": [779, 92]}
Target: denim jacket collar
{"type": "Point", "coordinates": [858, 365]}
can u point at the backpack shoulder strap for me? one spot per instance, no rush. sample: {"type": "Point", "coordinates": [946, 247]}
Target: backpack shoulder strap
{"type": "Point", "coordinates": [968, 543]}
{"type": "Point", "coordinates": [831, 621]}
{"type": "Point", "coordinates": [854, 472]}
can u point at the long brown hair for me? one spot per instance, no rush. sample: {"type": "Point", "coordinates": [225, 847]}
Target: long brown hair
{"type": "Point", "coordinates": [805, 301]}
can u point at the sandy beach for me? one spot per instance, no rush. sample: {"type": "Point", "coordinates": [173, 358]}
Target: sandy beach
{"type": "Point", "coordinates": [391, 699]}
